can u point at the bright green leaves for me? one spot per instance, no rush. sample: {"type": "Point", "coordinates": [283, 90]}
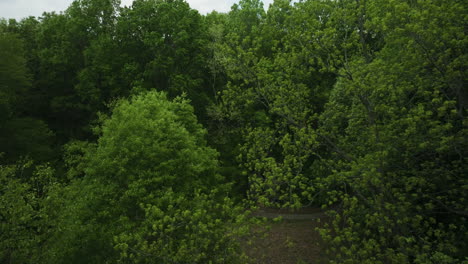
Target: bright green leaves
{"type": "Point", "coordinates": [150, 138]}
{"type": "Point", "coordinates": [279, 162]}
{"type": "Point", "coordinates": [17, 211]}
{"type": "Point", "coordinates": [274, 95]}
{"type": "Point", "coordinates": [184, 228]}
{"type": "Point", "coordinates": [24, 225]}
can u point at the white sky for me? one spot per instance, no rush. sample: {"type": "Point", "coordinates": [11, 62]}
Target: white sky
{"type": "Point", "coordinates": [23, 8]}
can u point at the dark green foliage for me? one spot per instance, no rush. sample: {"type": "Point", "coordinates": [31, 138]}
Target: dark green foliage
{"type": "Point", "coordinates": [14, 77]}
{"type": "Point", "coordinates": [167, 49]}
{"type": "Point", "coordinates": [19, 135]}
{"type": "Point", "coordinates": [26, 137]}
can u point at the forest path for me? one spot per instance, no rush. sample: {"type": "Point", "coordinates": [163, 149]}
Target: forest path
{"type": "Point", "coordinates": [286, 214]}
{"type": "Point", "coordinates": [291, 240]}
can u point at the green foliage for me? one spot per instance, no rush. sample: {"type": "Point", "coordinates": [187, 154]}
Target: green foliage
{"type": "Point", "coordinates": [273, 96]}
{"type": "Point", "coordinates": [59, 49]}
{"type": "Point", "coordinates": [14, 77]}
{"type": "Point", "coordinates": [26, 137]}
{"type": "Point", "coordinates": [185, 228]}
{"type": "Point", "coordinates": [154, 140]}
{"type": "Point", "coordinates": [19, 136]}
{"type": "Point", "coordinates": [24, 224]}
{"type": "Point", "coordinates": [387, 146]}
{"type": "Point", "coordinates": [356, 105]}
{"type": "Point", "coordinates": [401, 134]}
{"type": "Point", "coordinates": [167, 49]}
{"type": "Point", "coordinates": [150, 175]}
{"type": "Point", "coordinates": [17, 211]}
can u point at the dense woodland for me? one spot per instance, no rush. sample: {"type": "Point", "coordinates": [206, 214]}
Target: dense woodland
{"type": "Point", "coordinates": [141, 134]}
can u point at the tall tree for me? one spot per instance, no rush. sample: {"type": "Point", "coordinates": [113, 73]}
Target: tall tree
{"type": "Point", "coordinates": [149, 175]}
{"type": "Point", "coordinates": [399, 129]}
{"type": "Point", "coordinates": [20, 135]}
{"type": "Point", "coordinates": [166, 43]}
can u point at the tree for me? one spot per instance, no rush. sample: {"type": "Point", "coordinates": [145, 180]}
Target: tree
{"type": "Point", "coordinates": [24, 222]}
{"type": "Point", "coordinates": [149, 175]}
{"type": "Point", "coordinates": [181, 228]}
{"type": "Point", "coordinates": [19, 134]}
{"type": "Point", "coordinates": [400, 142]}
{"type": "Point", "coordinates": [14, 76]}
{"type": "Point", "coordinates": [166, 45]}
{"type": "Point", "coordinates": [274, 93]}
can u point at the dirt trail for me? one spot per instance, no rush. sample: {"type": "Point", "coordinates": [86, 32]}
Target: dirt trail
{"type": "Point", "coordinates": [290, 241]}
{"type": "Point", "coordinates": [302, 214]}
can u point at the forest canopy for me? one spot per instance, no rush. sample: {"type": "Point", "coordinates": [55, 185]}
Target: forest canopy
{"type": "Point", "coordinates": [142, 134]}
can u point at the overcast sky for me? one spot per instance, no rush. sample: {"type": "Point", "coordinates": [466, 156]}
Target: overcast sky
{"type": "Point", "coordinates": [23, 8]}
